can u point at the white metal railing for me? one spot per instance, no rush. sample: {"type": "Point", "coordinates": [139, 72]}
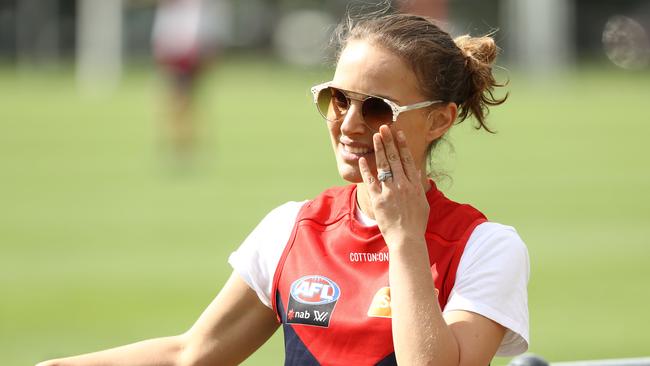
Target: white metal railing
{"type": "Point", "coordinates": [533, 360]}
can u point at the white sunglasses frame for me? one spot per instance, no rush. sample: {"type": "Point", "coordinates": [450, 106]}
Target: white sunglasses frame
{"type": "Point", "coordinates": [396, 108]}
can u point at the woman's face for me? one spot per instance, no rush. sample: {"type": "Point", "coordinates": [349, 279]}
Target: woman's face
{"type": "Point", "coordinates": [367, 69]}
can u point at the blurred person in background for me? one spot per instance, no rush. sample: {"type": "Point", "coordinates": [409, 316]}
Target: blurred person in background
{"type": "Point", "coordinates": [184, 40]}
{"type": "Point", "coordinates": [385, 270]}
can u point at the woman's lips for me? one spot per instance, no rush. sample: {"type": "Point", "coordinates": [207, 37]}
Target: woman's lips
{"type": "Point", "coordinates": [353, 153]}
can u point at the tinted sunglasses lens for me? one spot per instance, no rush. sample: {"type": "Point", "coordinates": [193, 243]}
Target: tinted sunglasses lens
{"type": "Point", "coordinates": [323, 101]}
{"type": "Point", "coordinates": [332, 103]}
{"type": "Point", "coordinates": [376, 112]}
{"type": "Point", "coordinates": [340, 102]}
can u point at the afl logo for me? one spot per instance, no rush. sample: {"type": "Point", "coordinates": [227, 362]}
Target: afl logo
{"type": "Point", "coordinates": [315, 290]}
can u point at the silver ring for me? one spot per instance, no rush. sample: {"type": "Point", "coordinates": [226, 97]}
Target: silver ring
{"type": "Point", "coordinates": [384, 175]}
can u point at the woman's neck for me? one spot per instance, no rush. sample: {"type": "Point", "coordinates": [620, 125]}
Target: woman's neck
{"type": "Point", "coordinates": [363, 200]}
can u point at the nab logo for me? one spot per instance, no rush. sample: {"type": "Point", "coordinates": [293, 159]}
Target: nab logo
{"type": "Point", "coordinates": [312, 300]}
{"type": "Point", "coordinates": [315, 290]}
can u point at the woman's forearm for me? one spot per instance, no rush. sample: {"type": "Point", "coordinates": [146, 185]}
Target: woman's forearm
{"type": "Point", "coordinates": [165, 351]}
{"type": "Point", "coordinates": [420, 334]}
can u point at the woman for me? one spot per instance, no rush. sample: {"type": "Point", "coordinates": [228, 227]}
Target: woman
{"type": "Point", "coordinates": [454, 290]}
{"type": "Point", "coordinates": [184, 43]}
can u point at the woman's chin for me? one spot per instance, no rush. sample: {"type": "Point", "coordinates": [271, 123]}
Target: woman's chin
{"type": "Point", "coordinates": [350, 175]}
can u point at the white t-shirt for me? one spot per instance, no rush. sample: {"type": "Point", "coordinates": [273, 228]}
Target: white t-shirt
{"type": "Point", "coordinates": [184, 26]}
{"type": "Point", "coordinates": [491, 279]}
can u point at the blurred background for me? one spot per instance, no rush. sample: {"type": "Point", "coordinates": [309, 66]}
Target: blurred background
{"type": "Point", "coordinates": [141, 141]}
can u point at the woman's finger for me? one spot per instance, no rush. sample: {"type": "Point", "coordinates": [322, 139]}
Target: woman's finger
{"type": "Point", "coordinates": [380, 157]}
{"type": "Point", "coordinates": [407, 159]}
{"type": "Point", "coordinates": [392, 154]}
{"type": "Point", "coordinates": [368, 178]}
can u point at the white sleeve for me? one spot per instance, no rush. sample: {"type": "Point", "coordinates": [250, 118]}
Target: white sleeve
{"type": "Point", "coordinates": [492, 280]}
{"type": "Point", "coordinates": [257, 257]}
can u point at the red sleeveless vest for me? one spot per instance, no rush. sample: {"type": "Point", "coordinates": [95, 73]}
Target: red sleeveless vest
{"type": "Point", "coordinates": [331, 289]}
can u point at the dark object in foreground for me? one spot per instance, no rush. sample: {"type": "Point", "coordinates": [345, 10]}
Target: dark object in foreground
{"type": "Point", "coordinates": [528, 360]}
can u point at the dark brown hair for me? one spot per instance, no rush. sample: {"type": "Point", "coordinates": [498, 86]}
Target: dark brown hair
{"type": "Point", "coordinates": [458, 71]}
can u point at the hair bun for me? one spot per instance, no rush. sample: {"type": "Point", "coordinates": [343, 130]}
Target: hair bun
{"type": "Point", "coordinates": [482, 49]}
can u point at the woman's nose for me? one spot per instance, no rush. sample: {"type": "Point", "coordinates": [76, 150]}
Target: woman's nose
{"type": "Point", "coordinates": [353, 121]}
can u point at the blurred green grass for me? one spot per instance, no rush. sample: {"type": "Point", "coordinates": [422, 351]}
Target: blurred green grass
{"type": "Point", "coordinates": [103, 241]}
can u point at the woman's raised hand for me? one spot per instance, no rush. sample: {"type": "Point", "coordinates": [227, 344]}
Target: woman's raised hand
{"type": "Point", "coordinates": [399, 203]}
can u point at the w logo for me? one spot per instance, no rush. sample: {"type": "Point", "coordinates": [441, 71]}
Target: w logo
{"type": "Point", "coordinates": [320, 316]}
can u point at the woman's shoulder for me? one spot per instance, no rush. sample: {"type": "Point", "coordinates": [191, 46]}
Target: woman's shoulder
{"type": "Point", "coordinates": [495, 233]}
{"type": "Point", "coordinates": [325, 197]}
{"type": "Point", "coordinates": [496, 244]}
{"type": "Point", "coordinates": [286, 210]}
{"type": "Point", "coordinates": [330, 205]}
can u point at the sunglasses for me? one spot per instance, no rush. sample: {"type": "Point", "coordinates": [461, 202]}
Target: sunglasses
{"type": "Point", "coordinates": [333, 104]}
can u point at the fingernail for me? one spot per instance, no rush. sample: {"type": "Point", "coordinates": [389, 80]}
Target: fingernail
{"type": "Point", "coordinates": [400, 135]}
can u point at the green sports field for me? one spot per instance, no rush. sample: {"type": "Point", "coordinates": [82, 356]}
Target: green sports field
{"type": "Point", "coordinates": [104, 240]}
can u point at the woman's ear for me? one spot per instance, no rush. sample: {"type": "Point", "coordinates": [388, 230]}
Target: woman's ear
{"type": "Point", "coordinates": [440, 119]}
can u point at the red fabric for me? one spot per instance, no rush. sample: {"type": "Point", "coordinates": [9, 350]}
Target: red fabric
{"type": "Point", "coordinates": [329, 243]}
{"type": "Point", "coordinates": [186, 63]}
